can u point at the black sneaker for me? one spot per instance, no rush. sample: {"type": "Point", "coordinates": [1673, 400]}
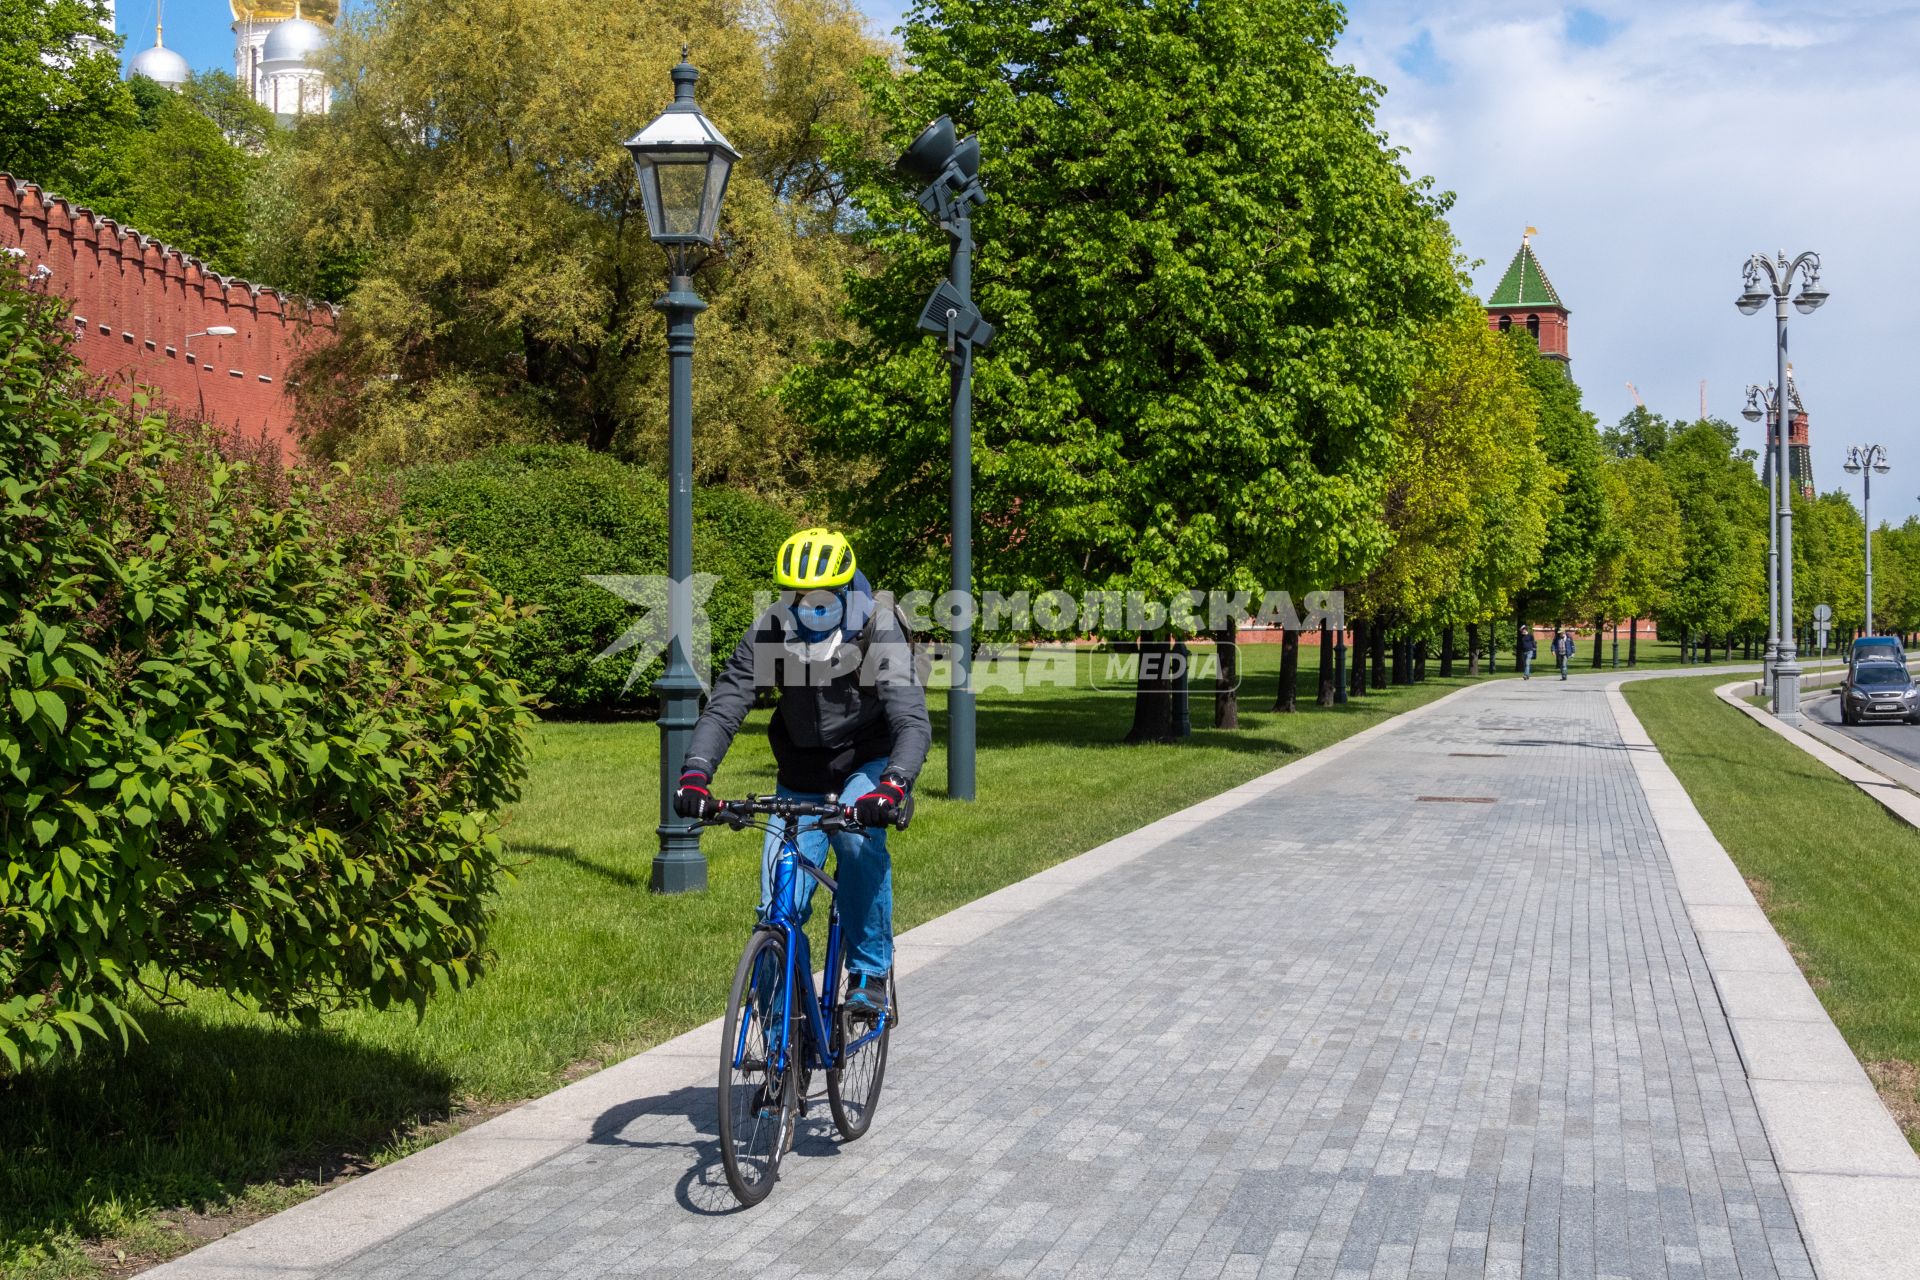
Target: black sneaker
{"type": "Point", "coordinates": [867, 995]}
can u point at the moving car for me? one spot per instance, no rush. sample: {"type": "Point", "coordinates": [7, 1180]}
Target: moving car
{"type": "Point", "coordinates": [1882, 648]}
{"type": "Point", "coordinates": [1876, 689]}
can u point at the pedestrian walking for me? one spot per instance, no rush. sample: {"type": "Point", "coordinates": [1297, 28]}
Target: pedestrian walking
{"type": "Point", "coordinates": [1524, 646]}
{"type": "Point", "coordinates": [1562, 649]}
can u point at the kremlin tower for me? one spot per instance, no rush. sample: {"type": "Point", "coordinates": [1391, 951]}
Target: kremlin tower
{"type": "Point", "coordinates": [1525, 296]}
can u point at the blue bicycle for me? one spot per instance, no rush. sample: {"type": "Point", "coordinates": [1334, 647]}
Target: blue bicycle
{"type": "Point", "coordinates": [779, 1030]}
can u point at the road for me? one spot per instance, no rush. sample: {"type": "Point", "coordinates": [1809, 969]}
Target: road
{"type": "Point", "coordinates": [1901, 741]}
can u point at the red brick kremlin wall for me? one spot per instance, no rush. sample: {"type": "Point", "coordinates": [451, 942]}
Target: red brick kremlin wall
{"type": "Point", "coordinates": [135, 301]}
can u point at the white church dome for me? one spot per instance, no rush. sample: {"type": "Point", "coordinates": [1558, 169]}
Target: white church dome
{"type": "Point", "coordinates": [292, 44]}
{"type": "Point", "coordinates": [161, 65]}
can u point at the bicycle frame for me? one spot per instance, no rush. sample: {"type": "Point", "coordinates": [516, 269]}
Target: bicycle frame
{"type": "Point", "coordinates": [817, 1008]}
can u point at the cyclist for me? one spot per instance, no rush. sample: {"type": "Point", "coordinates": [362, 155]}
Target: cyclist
{"type": "Point", "coordinates": [851, 720]}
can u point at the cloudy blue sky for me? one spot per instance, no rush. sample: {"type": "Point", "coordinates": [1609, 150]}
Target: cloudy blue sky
{"type": "Point", "coordinates": [1655, 145]}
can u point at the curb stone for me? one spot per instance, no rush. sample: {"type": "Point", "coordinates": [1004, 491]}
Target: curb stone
{"type": "Point", "coordinates": [1853, 1180]}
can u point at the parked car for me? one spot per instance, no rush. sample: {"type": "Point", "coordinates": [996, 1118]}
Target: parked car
{"type": "Point", "coordinates": [1869, 648]}
{"type": "Point", "coordinates": [1876, 689]}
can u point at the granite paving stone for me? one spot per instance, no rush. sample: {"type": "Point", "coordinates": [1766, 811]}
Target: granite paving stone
{"type": "Point", "coordinates": [1414, 1015]}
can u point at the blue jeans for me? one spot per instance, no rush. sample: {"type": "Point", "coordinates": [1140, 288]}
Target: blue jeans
{"type": "Point", "coordinates": [1563, 666]}
{"type": "Point", "coordinates": [864, 874]}
{"type": "Point", "coordinates": [1526, 665]}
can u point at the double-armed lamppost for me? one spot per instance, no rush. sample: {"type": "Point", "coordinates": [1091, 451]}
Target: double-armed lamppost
{"type": "Point", "coordinates": [1772, 278]}
{"type": "Point", "coordinates": [1764, 401]}
{"type": "Point", "coordinates": [950, 171]}
{"type": "Point", "coordinates": [684, 163]}
{"type": "Point", "coordinates": [1863, 460]}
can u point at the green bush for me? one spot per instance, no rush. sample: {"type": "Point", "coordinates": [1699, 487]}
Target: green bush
{"type": "Point", "coordinates": [539, 519]}
{"type": "Point", "coordinates": [252, 732]}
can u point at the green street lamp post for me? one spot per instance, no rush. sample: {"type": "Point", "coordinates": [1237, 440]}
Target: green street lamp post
{"type": "Point", "coordinates": [1864, 460]}
{"type": "Point", "coordinates": [1772, 278]}
{"type": "Point", "coordinates": [950, 172]}
{"type": "Point", "coordinates": [684, 163]}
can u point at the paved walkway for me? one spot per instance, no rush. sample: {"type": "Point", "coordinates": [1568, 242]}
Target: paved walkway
{"type": "Point", "coordinates": [1431, 1009]}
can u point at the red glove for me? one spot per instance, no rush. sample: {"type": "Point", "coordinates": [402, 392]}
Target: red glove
{"type": "Point", "coordinates": [888, 805]}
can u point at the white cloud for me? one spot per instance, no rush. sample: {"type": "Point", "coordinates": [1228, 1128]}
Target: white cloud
{"type": "Point", "coordinates": [1653, 165]}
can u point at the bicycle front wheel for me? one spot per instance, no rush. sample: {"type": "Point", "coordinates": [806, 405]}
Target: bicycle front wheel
{"type": "Point", "coordinates": [757, 1104]}
{"type": "Point", "coordinates": [853, 1086]}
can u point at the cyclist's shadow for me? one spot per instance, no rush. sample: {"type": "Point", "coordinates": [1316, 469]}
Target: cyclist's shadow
{"type": "Point", "coordinates": [703, 1187]}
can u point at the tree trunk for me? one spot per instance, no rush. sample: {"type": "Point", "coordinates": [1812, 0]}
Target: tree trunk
{"type": "Point", "coordinates": [1357, 660]}
{"type": "Point", "coordinates": [1226, 688]}
{"type": "Point", "coordinates": [1493, 648]}
{"type": "Point", "coordinates": [1152, 692]}
{"type": "Point", "coordinates": [1446, 651]}
{"type": "Point", "coordinates": [1286, 697]}
{"type": "Point", "coordinates": [1419, 661]}
{"type": "Point", "coordinates": [1326, 690]}
{"type": "Point", "coordinates": [1473, 648]}
{"type": "Point", "coordinates": [1729, 646]}
{"type": "Point", "coordinates": [1377, 654]}
{"type": "Point", "coordinates": [1599, 629]}
{"type": "Point", "coordinates": [1182, 688]}
{"type": "Point", "coordinates": [1633, 641]}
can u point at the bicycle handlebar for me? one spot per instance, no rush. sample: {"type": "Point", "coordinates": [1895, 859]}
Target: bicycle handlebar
{"type": "Point", "coordinates": [831, 813]}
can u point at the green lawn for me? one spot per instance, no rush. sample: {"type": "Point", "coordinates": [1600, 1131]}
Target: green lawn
{"type": "Point", "coordinates": [1837, 874]}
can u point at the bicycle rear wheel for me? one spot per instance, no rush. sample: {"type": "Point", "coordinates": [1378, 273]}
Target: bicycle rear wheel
{"type": "Point", "coordinates": [758, 1107]}
{"type": "Point", "coordinates": [853, 1086]}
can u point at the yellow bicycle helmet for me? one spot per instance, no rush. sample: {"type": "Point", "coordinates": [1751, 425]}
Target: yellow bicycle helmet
{"type": "Point", "coordinates": [814, 558]}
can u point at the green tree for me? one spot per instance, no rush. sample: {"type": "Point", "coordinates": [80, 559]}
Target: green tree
{"type": "Point", "coordinates": [61, 97]}
{"type": "Point", "coordinates": [1472, 489]}
{"type": "Point", "coordinates": [1209, 273]}
{"type": "Point", "coordinates": [184, 169]}
{"type": "Point", "coordinates": [1635, 575]}
{"type": "Point", "coordinates": [253, 730]}
{"type": "Point", "coordinates": [1577, 532]}
{"type": "Point", "coordinates": [1896, 577]}
{"type": "Point", "coordinates": [473, 172]}
{"type": "Point", "coordinates": [1640, 434]}
{"type": "Point", "coordinates": [1721, 586]}
{"type": "Point", "coordinates": [1829, 561]}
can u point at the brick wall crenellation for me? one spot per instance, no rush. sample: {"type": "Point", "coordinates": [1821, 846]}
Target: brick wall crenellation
{"type": "Point", "coordinates": [135, 300]}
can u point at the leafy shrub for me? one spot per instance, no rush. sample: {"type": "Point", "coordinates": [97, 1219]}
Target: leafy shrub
{"type": "Point", "coordinates": [252, 732]}
{"type": "Point", "coordinates": [539, 519]}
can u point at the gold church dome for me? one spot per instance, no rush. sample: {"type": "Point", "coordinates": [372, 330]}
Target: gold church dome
{"type": "Point", "coordinates": [324, 12]}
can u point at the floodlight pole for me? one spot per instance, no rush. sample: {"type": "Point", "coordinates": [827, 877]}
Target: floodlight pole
{"type": "Point", "coordinates": [960, 699]}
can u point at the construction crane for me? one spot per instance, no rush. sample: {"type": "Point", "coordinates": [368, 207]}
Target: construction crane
{"type": "Point", "coordinates": [1636, 395]}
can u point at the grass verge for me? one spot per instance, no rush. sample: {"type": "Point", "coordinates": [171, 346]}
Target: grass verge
{"type": "Point", "coordinates": [1837, 875]}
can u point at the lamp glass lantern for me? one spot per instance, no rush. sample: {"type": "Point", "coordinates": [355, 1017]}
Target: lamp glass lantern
{"type": "Point", "coordinates": [1752, 300]}
{"type": "Point", "coordinates": [1810, 299]}
{"type": "Point", "coordinates": [684, 163]}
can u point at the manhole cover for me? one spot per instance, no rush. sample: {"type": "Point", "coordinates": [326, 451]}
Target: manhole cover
{"type": "Point", "coordinates": [1479, 755]}
{"type": "Point", "coordinates": [1453, 800]}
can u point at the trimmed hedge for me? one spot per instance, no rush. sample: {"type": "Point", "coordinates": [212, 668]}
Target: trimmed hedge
{"type": "Point", "coordinates": [539, 519]}
{"type": "Point", "coordinates": [252, 733]}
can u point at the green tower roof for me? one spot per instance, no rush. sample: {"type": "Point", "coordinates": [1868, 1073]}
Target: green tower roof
{"type": "Point", "coordinates": [1525, 284]}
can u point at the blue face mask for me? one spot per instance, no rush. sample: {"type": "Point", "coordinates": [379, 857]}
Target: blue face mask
{"type": "Point", "coordinates": [817, 615]}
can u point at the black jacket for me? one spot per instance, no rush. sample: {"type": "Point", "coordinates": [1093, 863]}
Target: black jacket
{"type": "Point", "coordinates": [1528, 646]}
{"type": "Point", "coordinates": [870, 701]}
